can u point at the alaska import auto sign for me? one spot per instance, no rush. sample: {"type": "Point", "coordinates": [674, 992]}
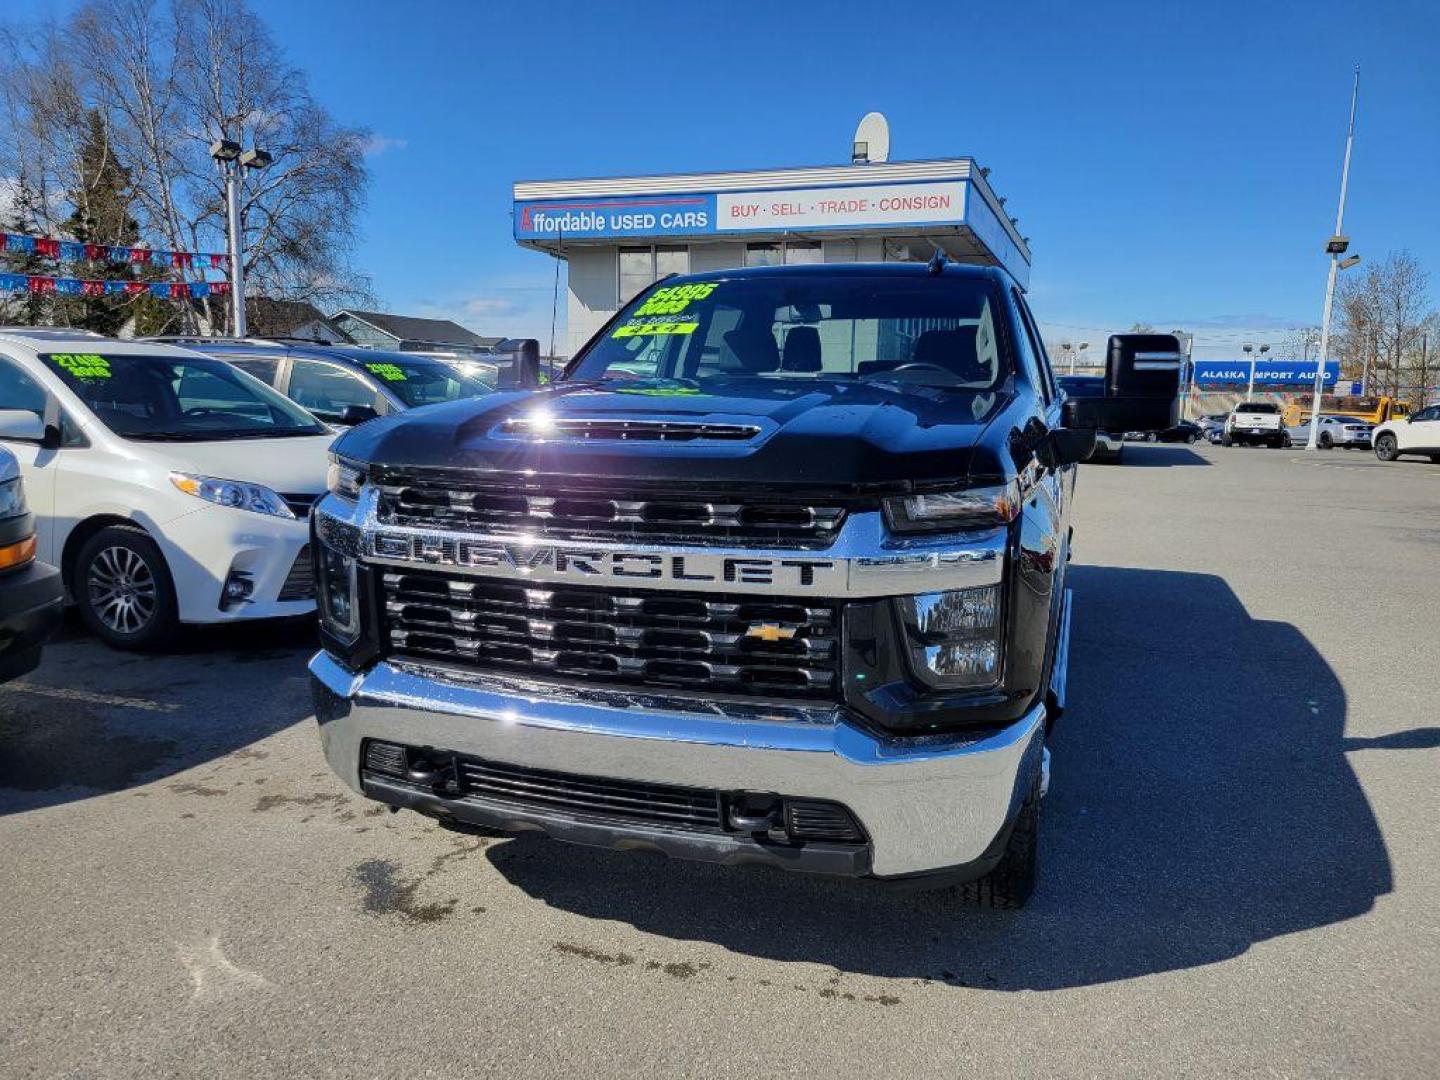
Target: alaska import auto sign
{"type": "Point", "coordinates": [1268, 373]}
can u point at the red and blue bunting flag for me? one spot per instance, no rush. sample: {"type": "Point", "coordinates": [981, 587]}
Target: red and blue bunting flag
{"type": "Point", "coordinates": [165, 290]}
{"type": "Point", "coordinates": [49, 247]}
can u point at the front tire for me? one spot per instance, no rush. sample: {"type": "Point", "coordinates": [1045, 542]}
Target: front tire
{"type": "Point", "coordinates": [124, 591]}
{"type": "Point", "coordinates": [1326, 441]}
{"type": "Point", "coordinates": [1386, 448]}
{"type": "Point", "coordinates": [1012, 882]}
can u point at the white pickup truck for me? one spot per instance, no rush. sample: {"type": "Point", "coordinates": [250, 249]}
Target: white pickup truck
{"type": "Point", "coordinates": [1253, 422]}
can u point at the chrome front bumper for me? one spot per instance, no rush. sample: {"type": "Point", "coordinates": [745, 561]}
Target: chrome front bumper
{"type": "Point", "coordinates": [927, 804]}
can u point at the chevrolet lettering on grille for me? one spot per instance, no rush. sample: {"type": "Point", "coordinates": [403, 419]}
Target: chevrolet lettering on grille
{"type": "Point", "coordinates": [577, 562]}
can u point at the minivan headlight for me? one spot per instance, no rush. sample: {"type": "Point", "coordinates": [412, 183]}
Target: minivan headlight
{"type": "Point", "coordinates": [967, 508]}
{"type": "Point", "coordinates": [337, 594]}
{"type": "Point", "coordinates": [12, 498]}
{"type": "Point", "coordinates": [236, 494]}
{"type": "Point", "coordinates": [954, 637]}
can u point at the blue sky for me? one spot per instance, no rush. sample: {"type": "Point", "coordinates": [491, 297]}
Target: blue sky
{"type": "Point", "coordinates": [1175, 164]}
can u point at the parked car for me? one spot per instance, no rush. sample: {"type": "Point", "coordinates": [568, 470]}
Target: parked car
{"type": "Point", "coordinates": [1183, 432]}
{"type": "Point", "coordinates": [1344, 431]}
{"type": "Point", "coordinates": [167, 486]}
{"type": "Point", "coordinates": [1211, 426]}
{"type": "Point", "coordinates": [31, 597]}
{"type": "Point", "coordinates": [1418, 433]}
{"type": "Point", "coordinates": [344, 384]}
{"type": "Point", "coordinates": [1253, 423]}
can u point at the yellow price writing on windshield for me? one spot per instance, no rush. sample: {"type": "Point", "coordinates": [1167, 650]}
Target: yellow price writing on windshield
{"type": "Point", "coordinates": [673, 299]}
{"type": "Point", "coordinates": [640, 329]}
{"type": "Point", "coordinates": [83, 365]}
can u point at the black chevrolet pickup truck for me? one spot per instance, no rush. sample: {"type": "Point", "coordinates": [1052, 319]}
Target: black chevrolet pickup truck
{"type": "Point", "coordinates": [775, 573]}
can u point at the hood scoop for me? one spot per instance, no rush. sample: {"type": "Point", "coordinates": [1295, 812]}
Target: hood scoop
{"type": "Point", "coordinates": [612, 429]}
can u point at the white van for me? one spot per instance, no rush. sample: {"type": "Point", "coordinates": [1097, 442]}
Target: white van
{"type": "Point", "coordinates": [168, 487]}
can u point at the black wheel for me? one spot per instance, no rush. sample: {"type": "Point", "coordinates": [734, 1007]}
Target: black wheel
{"type": "Point", "coordinates": [1190, 438]}
{"type": "Point", "coordinates": [1325, 441]}
{"type": "Point", "coordinates": [1227, 440]}
{"type": "Point", "coordinates": [1386, 448]}
{"type": "Point", "coordinates": [123, 589]}
{"type": "Point", "coordinates": [1012, 881]}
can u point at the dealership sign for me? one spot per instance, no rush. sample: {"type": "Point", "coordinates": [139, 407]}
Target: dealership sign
{"type": "Point", "coordinates": [710, 213]}
{"type": "Point", "coordinates": [1268, 373]}
{"type": "Point", "coordinates": [940, 203]}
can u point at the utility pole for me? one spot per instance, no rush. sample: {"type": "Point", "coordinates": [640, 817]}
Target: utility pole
{"type": "Point", "coordinates": [1336, 247]}
{"type": "Point", "coordinates": [231, 160]}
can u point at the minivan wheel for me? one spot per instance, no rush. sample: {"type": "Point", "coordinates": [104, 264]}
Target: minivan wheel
{"type": "Point", "coordinates": [1386, 448]}
{"type": "Point", "coordinates": [123, 589]}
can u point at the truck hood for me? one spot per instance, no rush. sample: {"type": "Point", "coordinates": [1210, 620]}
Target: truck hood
{"type": "Point", "coordinates": [293, 466]}
{"type": "Point", "coordinates": [802, 434]}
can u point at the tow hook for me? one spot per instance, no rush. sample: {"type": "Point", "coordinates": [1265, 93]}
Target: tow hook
{"type": "Point", "coordinates": [755, 812]}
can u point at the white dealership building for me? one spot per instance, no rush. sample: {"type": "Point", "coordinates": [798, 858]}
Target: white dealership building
{"type": "Point", "coordinates": [618, 235]}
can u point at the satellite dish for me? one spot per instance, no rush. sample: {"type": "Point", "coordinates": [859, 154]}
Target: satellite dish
{"type": "Point", "coordinates": [872, 139]}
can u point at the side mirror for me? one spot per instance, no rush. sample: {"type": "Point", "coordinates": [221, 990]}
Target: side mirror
{"type": "Point", "coordinates": [518, 364]}
{"type": "Point", "coordinates": [1071, 446]}
{"type": "Point", "coordinates": [351, 415]}
{"type": "Point", "coordinates": [22, 424]}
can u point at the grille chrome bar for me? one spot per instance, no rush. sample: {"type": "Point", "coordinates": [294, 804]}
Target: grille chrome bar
{"type": "Point", "coordinates": [690, 641]}
{"type": "Point", "coordinates": [509, 507]}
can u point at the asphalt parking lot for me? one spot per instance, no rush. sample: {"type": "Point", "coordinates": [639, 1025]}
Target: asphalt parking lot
{"type": "Point", "coordinates": [1240, 852]}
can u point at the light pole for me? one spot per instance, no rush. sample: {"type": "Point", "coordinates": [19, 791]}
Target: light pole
{"type": "Point", "coordinates": [1079, 351]}
{"type": "Point", "coordinates": [1334, 248]}
{"type": "Point", "coordinates": [231, 159]}
{"type": "Point", "coordinates": [1069, 351]}
{"type": "Point", "coordinates": [1247, 348]}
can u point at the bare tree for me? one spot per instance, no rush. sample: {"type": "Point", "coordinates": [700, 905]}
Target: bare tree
{"type": "Point", "coordinates": [1385, 314]}
{"type": "Point", "coordinates": [167, 78]}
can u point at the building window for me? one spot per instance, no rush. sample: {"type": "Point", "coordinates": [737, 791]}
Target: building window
{"type": "Point", "coordinates": [803, 251]}
{"type": "Point", "coordinates": [763, 255]}
{"type": "Point", "coordinates": [641, 267]}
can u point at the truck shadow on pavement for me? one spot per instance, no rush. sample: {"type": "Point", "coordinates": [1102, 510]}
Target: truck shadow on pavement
{"type": "Point", "coordinates": [1201, 802]}
{"type": "Point", "coordinates": [1159, 456]}
{"type": "Point", "coordinates": [91, 720]}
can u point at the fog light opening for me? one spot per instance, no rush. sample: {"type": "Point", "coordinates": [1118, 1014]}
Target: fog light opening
{"type": "Point", "coordinates": [239, 587]}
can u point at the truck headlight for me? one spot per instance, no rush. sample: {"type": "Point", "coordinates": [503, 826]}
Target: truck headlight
{"type": "Point", "coordinates": [236, 494]}
{"type": "Point", "coordinates": [968, 508]}
{"type": "Point", "coordinates": [337, 594]}
{"type": "Point", "coordinates": [345, 477]}
{"type": "Point", "coordinates": [954, 636]}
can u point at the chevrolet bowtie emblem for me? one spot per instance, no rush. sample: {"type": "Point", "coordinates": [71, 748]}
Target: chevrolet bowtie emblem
{"type": "Point", "coordinates": [769, 631]}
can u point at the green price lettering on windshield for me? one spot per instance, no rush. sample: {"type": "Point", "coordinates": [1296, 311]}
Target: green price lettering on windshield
{"type": "Point", "coordinates": [388, 372]}
{"type": "Point", "coordinates": [673, 299]}
{"type": "Point", "coordinates": [639, 329]}
{"type": "Point", "coordinates": [83, 365]}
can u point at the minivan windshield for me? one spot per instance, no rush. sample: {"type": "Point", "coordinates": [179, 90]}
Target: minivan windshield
{"type": "Point", "coordinates": [939, 331]}
{"type": "Point", "coordinates": [423, 381]}
{"type": "Point", "coordinates": [180, 398]}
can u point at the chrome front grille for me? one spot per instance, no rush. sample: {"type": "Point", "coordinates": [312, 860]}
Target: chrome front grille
{"type": "Point", "coordinates": [635, 637]}
{"type": "Point", "coordinates": [515, 506]}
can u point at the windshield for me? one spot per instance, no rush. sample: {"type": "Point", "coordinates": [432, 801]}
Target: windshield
{"type": "Point", "coordinates": [178, 397]}
{"type": "Point", "coordinates": [422, 381]}
{"type": "Point", "coordinates": [933, 331]}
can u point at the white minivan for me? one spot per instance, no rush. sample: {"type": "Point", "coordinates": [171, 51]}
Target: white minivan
{"type": "Point", "coordinates": [168, 487]}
